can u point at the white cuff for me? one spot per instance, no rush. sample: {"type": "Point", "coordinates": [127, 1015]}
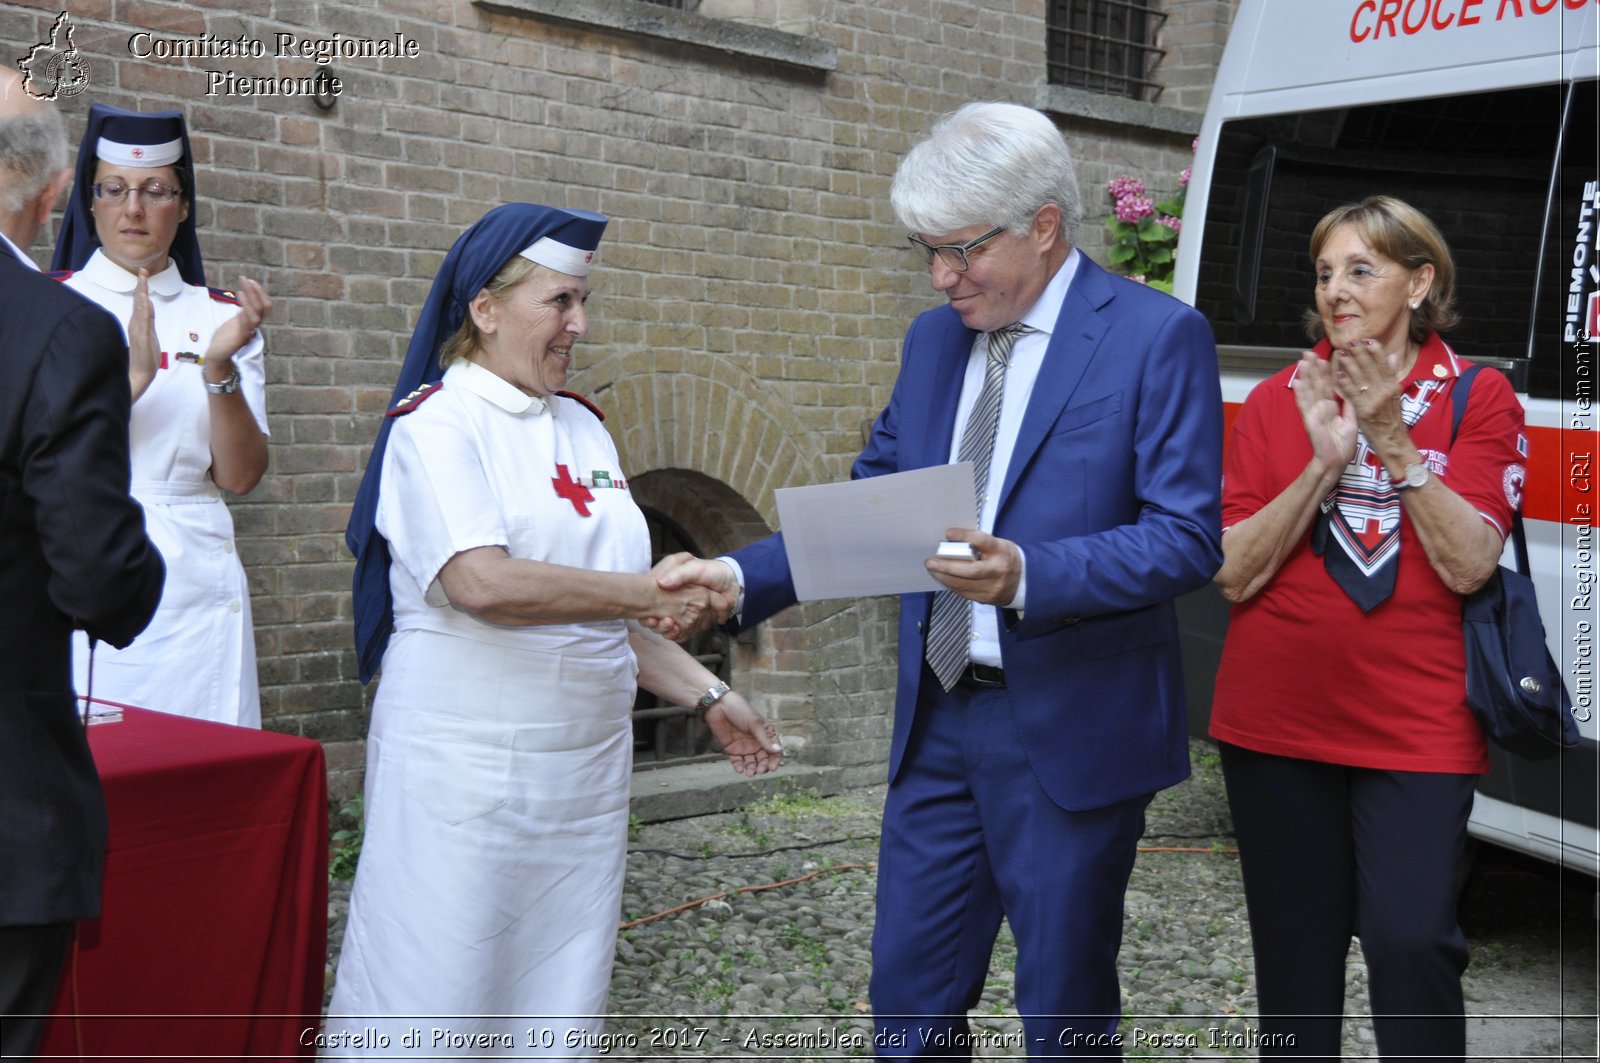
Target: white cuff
{"type": "Point", "coordinates": [1019, 601]}
{"type": "Point", "coordinates": [738, 577]}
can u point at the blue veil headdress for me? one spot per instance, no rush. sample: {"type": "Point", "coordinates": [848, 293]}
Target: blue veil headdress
{"type": "Point", "coordinates": [561, 239]}
{"type": "Point", "coordinates": [157, 139]}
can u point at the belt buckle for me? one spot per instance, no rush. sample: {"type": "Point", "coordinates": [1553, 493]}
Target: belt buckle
{"type": "Point", "coordinates": [986, 676]}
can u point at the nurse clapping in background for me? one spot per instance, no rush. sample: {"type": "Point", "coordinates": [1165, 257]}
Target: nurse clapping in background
{"type": "Point", "coordinates": [199, 425]}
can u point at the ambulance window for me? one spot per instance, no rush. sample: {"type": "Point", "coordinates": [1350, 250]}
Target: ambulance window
{"type": "Point", "coordinates": [1479, 165]}
{"type": "Point", "coordinates": [1566, 306]}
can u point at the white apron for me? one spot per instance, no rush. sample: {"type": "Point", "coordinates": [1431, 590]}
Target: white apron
{"type": "Point", "coordinates": [198, 657]}
{"type": "Point", "coordinates": [491, 871]}
{"type": "Point", "coordinates": [499, 758]}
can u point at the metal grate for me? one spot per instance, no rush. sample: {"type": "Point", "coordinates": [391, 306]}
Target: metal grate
{"type": "Point", "coordinates": [1105, 46]}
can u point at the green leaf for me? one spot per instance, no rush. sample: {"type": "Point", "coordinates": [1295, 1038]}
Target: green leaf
{"type": "Point", "coordinates": [1119, 254]}
{"type": "Point", "coordinates": [1159, 255]}
{"type": "Point", "coordinates": [1152, 231]}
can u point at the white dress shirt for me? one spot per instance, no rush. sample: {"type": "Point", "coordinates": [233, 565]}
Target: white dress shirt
{"type": "Point", "coordinates": [1027, 357]}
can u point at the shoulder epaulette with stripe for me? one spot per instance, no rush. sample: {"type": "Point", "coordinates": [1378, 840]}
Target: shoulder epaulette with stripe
{"type": "Point", "coordinates": [415, 399]}
{"type": "Point", "coordinates": [223, 295]}
{"type": "Point", "coordinates": [60, 274]}
{"type": "Point", "coordinates": [575, 397]}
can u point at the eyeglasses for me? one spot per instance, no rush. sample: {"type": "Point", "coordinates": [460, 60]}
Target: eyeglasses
{"type": "Point", "coordinates": [153, 192]}
{"type": "Point", "coordinates": [952, 255]}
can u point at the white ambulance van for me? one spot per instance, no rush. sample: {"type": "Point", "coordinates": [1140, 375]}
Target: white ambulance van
{"type": "Point", "coordinates": [1482, 113]}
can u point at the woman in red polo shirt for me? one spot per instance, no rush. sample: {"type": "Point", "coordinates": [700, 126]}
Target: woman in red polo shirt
{"type": "Point", "coordinates": [1353, 524]}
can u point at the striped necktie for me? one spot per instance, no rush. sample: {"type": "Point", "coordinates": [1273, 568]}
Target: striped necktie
{"type": "Point", "coordinates": [950, 629]}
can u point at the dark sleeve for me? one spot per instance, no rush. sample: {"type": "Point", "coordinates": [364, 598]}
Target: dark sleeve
{"type": "Point", "coordinates": [105, 573]}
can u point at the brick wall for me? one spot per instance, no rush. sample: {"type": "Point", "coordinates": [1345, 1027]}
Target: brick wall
{"type": "Point", "coordinates": [749, 298]}
{"type": "Point", "coordinates": [1193, 37]}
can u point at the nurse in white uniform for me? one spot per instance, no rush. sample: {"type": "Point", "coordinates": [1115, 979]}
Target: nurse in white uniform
{"type": "Point", "coordinates": [517, 568]}
{"type": "Point", "coordinates": [199, 414]}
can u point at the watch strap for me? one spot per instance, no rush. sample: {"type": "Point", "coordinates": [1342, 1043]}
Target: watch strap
{"type": "Point", "coordinates": [713, 695]}
{"type": "Point", "coordinates": [1404, 482]}
{"type": "Point", "coordinates": [226, 386]}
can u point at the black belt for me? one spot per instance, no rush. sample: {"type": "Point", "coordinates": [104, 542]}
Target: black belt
{"type": "Point", "coordinates": [984, 675]}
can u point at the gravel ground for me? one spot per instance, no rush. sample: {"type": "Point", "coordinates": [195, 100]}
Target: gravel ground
{"type": "Point", "coordinates": [775, 964]}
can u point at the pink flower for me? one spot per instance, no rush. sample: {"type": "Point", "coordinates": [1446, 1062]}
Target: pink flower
{"type": "Point", "coordinates": [1139, 277]}
{"type": "Point", "coordinates": [1183, 178]}
{"type": "Point", "coordinates": [1134, 207]}
{"type": "Point", "coordinates": [1171, 222]}
{"type": "Point", "coordinates": [1123, 187]}
{"type": "Point", "coordinates": [1194, 145]}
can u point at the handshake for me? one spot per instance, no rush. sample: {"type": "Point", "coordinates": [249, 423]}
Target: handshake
{"type": "Point", "coordinates": [692, 595]}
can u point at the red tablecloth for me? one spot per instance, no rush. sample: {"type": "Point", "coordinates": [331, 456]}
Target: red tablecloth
{"type": "Point", "coordinates": [214, 923]}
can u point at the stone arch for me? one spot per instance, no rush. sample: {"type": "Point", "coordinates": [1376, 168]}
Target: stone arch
{"type": "Point", "coordinates": [696, 411]}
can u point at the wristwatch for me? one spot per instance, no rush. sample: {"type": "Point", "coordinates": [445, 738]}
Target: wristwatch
{"type": "Point", "coordinates": [226, 386]}
{"type": "Point", "coordinates": [1416, 475]}
{"type": "Point", "coordinates": [710, 698]}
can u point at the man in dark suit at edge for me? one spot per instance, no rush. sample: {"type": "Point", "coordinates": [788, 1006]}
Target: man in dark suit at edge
{"type": "Point", "coordinates": [1040, 705]}
{"type": "Point", "coordinates": [73, 553]}
{"type": "Point", "coordinates": [33, 165]}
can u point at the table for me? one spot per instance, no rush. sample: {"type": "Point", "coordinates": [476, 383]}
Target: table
{"type": "Point", "coordinates": [213, 931]}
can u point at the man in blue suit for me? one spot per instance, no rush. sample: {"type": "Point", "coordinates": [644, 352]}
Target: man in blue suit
{"type": "Point", "coordinates": [1018, 781]}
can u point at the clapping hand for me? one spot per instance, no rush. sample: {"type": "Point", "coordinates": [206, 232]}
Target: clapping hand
{"type": "Point", "coordinates": [1369, 379]}
{"type": "Point", "coordinates": [683, 572]}
{"type": "Point", "coordinates": [1329, 424]}
{"type": "Point", "coordinates": [254, 305]}
{"type": "Point", "coordinates": [144, 350]}
{"type": "Point", "coordinates": [749, 740]}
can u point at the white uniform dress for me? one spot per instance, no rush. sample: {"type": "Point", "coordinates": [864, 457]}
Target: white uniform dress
{"type": "Point", "coordinates": [198, 656]}
{"type": "Point", "coordinates": [498, 759]}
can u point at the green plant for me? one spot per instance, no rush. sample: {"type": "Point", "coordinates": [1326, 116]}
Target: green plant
{"type": "Point", "coordinates": [750, 829]}
{"type": "Point", "coordinates": [792, 804]}
{"type": "Point", "coordinates": [347, 840]}
{"type": "Point", "coordinates": [1144, 233]}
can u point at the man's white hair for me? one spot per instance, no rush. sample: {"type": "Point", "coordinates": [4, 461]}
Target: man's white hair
{"type": "Point", "coordinates": [987, 164]}
{"type": "Point", "coordinates": [33, 149]}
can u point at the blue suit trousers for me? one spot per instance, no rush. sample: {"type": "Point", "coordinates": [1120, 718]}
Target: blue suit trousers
{"type": "Point", "coordinates": [969, 837]}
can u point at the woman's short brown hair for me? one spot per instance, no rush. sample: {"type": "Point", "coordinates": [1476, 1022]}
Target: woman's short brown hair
{"type": "Point", "coordinates": [1398, 231]}
{"type": "Point", "coordinates": [467, 340]}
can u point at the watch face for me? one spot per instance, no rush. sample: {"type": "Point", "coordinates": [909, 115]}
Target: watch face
{"type": "Point", "coordinates": [1416, 475]}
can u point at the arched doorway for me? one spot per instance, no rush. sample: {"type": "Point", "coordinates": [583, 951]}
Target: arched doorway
{"type": "Point", "coordinates": [688, 512]}
{"type": "Point", "coordinates": [663, 731]}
